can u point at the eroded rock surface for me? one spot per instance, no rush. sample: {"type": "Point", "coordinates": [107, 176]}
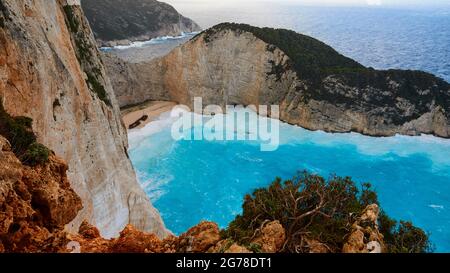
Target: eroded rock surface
{"type": "Point", "coordinates": [271, 237]}
{"type": "Point", "coordinates": [35, 204]}
{"type": "Point", "coordinates": [365, 236]}
{"type": "Point", "coordinates": [50, 71]}
{"type": "Point", "coordinates": [199, 239]}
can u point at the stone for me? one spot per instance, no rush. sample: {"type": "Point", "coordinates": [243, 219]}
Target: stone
{"type": "Point", "coordinates": [132, 240]}
{"type": "Point", "coordinates": [88, 231]}
{"type": "Point", "coordinates": [199, 238]}
{"type": "Point", "coordinates": [271, 237]}
{"type": "Point", "coordinates": [236, 249]}
{"type": "Point", "coordinates": [35, 204]}
{"type": "Point", "coordinates": [370, 214]}
{"type": "Point", "coordinates": [365, 236]}
{"type": "Point", "coordinates": [355, 243]}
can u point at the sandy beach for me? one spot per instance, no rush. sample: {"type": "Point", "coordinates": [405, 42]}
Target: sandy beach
{"type": "Point", "coordinates": [151, 110]}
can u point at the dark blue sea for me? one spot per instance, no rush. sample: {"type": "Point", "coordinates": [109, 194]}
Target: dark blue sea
{"type": "Point", "coordinates": [379, 37]}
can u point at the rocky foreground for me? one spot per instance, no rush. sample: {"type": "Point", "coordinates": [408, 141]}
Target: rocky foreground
{"type": "Point", "coordinates": [315, 86]}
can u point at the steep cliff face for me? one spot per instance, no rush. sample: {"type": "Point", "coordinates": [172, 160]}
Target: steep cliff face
{"type": "Point", "coordinates": [135, 83]}
{"type": "Point", "coordinates": [316, 87]}
{"type": "Point", "coordinates": [121, 22]}
{"type": "Point", "coordinates": [50, 70]}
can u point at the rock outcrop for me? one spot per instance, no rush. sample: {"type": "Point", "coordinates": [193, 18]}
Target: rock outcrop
{"type": "Point", "coordinates": [35, 203]}
{"type": "Point", "coordinates": [135, 83]}
{"type": "Point", "coordinates": [200, 239]}
{"type": "Point", "coordinates": [50, 71]}
{"type": "Point", "coordinates": [117, 22]}
{"type": "Point", "coordinates": [316, 87]}
{"type": "Point", "coordinates": [365, 236]}
{"type": "Point", "coordinates": [271, 237]}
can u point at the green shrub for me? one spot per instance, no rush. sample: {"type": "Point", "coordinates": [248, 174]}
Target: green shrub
{"type": "Point", "coordinates": [72, 21]}
{"type": "Point", "coordinates": [24, 121]}
{"type": "Point", "coordinates": [308, 206]}
{"type": "Point", "coordinates": [36, 154]}
{"type": "Point", "coordinates": [98, 88]}
{"type": "Point", "coordinates": [18, 131]}
{"type": "Point", "coordinates": [311, 58]}
{"type": "Point", "coordinates": [255, 248]}
{"type": "Point", "coordinates": [403, 237]}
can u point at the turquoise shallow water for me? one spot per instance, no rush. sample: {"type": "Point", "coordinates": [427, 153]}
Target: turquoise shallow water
{"type": "Point", "coordinates": [190, 181]}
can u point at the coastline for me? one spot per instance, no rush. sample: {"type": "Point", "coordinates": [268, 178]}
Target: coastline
{"type": "Point", "coordinates": [366, 144]}
{"type": "Point", "coordinates": [151, 109]}
{"type": "Point", "coordinates": [129, 44]}
{"type": "Point", "coordinates": [145, 51]}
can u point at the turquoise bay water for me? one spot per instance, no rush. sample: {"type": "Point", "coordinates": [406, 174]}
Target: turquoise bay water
{"type": "Point", "coordinates": [190, 181]}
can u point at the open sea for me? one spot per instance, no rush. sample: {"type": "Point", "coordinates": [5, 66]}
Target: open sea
{"type": "Point", "coordinates": [379, 37]}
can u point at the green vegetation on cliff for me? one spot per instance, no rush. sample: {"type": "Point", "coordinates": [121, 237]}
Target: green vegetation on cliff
{"type": "Point", "coordinates": [310, 57]}
{"type": "Point", "coordinates": [334, 78]}
{"type": "Point", "coordinates": [84, 53]}
{"type": "Point", "coordinates": [18, 131]}
{"type": "Point", "coordinates": [312, 208]}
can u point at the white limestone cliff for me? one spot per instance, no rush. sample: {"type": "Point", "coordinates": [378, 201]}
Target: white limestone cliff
{"type": "Point", "coordinates": [50, 70]}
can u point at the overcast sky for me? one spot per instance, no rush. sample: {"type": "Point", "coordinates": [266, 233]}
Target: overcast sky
{"type": "Point", "coordinates": [336, 2]}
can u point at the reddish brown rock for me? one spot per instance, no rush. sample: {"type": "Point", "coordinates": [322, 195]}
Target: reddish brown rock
{"type": "Point", "coordinates": [52, 197]}
{"type": "Point", "coordinates": [200, 238]}
{"type": "Point", "coordinates": [235, 248]}
{"type": "Point", "coordinates": [35, 203]}
{"type": "Point", "coordinates": [272, 237]}
{"type": "Point", "coordinates": [365, 236]}
{"type": "Point", "coordinates": [88, 231]}
{"type": "Point", "coordinates": [135, 241]}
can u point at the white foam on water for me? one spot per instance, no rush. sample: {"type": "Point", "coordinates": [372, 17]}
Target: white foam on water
{"type": "Point", "coordinates": [164, 121]}
{"type": "Point", "coordinates": [153, 185]}
{"type": "Point", "coordinates": [435, 148]}
{"type": "Point", "coordinates": [437, 208]}
{"type": "Point", "coordinates": [158, 40]}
